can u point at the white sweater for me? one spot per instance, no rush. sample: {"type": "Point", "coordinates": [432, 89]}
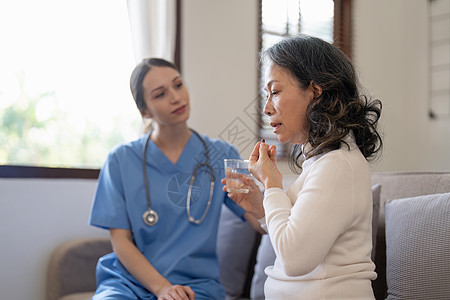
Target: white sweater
{"type": "Point", "coordinates": [321, 230]}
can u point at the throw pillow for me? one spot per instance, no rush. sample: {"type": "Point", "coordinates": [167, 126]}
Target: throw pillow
{"type": "Point", "coordinates": [235, 243]}
{"type": "Point", "coordinates": [418, 247]}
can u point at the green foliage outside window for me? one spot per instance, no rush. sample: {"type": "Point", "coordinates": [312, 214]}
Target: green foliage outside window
{"type": "Point", "coordinates": [33, 127]}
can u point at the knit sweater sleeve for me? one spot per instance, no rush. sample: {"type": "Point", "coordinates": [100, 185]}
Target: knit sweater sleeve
{"type": "Point", "coordinates": [304, 229]}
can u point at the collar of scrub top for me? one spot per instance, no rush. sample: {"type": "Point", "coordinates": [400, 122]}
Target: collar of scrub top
{"type": "Point", "coordinates": [150, 217]}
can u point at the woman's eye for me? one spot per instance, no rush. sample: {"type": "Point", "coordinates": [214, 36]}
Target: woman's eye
{"type": "Point", "coordinates": [160, 95]}
{"type": "Point", "coordinates": [273, 93]}
{"type": "Point", "coordinates": [178, 85]}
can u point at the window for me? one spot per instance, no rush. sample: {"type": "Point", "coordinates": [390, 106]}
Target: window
{"type": "Point", "coordinates": [64, 93]}
{"type": "Point", "coordinates": [326, 19]}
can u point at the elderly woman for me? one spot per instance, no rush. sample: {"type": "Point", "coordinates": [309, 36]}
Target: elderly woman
{"type": "Point", "coordinates": [320, 227]}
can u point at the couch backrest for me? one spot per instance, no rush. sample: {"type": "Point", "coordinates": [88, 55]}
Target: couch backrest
{"type": "Point", "coordinates": [395, 185]}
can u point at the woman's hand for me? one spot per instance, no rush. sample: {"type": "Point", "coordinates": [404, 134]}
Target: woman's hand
{"type": "Point", "coordinates": [138, 265]}
{"type": "Point", "coordinates": [251, 201]}
{"type": "Point", "coordinates": [177, 292]}
{"type": "Point", "coordinates": [263, 166]}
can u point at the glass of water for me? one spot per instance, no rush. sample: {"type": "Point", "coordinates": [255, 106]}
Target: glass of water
{"type": "Point", "coordinates": [235, 170]}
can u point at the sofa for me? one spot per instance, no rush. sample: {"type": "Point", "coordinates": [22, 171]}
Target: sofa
{"type": "Point", "coordinates": [411, 237]}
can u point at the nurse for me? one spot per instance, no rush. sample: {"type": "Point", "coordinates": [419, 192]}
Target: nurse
{"type": "Point", "coordinates": [163, 222]}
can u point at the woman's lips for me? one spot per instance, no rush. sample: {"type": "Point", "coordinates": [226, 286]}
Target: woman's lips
{"type": "Point", "coordinates": [275, 126]}
{"type": "Point", "coordinates": [179, 110]}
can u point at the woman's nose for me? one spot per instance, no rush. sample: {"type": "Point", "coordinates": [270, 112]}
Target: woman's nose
{"type": "Point", "coordinates": [174, 96]}
{"type": "Point", "coordinates": [268, 107]}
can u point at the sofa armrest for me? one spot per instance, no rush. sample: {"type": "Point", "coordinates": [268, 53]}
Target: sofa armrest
{"type": "Point", "coordinates": [72, 266]}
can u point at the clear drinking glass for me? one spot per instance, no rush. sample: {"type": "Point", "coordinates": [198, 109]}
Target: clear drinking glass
{"type": "Point", "coordinates": [235, 170]}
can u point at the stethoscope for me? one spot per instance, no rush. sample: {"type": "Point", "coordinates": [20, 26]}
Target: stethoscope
{"type": "Point", "coordinates": [150, 216]}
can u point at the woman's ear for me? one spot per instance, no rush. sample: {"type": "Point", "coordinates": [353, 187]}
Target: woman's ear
{"type": "Point", "coordinates": [317, 89]}
{"type": "Point", "coordinates": [146, 114]}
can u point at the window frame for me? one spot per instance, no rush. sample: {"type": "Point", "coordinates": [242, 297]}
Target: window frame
{"type": "Point", "coordinates": [342, 26]}
{"type": "Point", "coordinates": [14, 171]}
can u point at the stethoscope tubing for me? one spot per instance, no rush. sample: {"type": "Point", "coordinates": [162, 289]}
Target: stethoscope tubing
{"type": "Point", "coordinates": [151, 217]}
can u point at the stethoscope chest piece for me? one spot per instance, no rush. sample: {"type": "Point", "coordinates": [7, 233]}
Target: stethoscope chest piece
{"type": "Point", "coordinates": [150, 217]}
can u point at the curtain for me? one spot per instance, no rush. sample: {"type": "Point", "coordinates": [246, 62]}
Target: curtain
{"type": "Point", "coordinates": [153, 28]}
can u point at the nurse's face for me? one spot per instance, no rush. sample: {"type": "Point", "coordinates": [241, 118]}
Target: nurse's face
{"type": "Point", "coordinates": [166, 96]}
{"type": "Point", "coordinates": [286, 105]}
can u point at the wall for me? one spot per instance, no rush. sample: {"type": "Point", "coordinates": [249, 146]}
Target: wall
{"type": "Point", "coordinates": [36, 215]}
{"type": "Point", "coordinates": [219, 64]}
{"type": "Point", "coordinates": [390, 51]}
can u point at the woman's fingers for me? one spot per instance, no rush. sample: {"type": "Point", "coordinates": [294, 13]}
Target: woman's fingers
{"type": "Point", "coordinates": [263, 151]}
{"type": "Point", "coordinates": [177, 292]}
{"type": "Point", "coordinates": [224, 182]}
{"type": "Point", "coordinates": [190, 293]}
{"type": "Point", "coordinates": [250, 182]}
{"type": "Point", "coordinates": [273, 153]}
{"type": "Point", "coordinates": [254, 156]}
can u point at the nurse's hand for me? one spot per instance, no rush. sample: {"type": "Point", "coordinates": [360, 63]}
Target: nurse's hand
{"type": "Point", "coordinates": [251, 201]}
{"type": "Point", "coordinates": [263, 166]}
{"type": "Point", "coordinates": [177, 292]}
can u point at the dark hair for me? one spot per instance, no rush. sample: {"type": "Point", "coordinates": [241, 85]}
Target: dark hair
{"type": "Point", "coordinates": [137, 77]}
{"type": "Point", "coordinates": [340, 109]}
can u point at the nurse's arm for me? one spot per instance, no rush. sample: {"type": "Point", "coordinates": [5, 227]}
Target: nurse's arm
{"type": "Point", "coordinates": [138, 265]}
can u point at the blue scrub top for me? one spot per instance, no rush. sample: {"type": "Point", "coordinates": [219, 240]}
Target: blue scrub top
{"type": "Point", "coordinates": [183, 252]}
